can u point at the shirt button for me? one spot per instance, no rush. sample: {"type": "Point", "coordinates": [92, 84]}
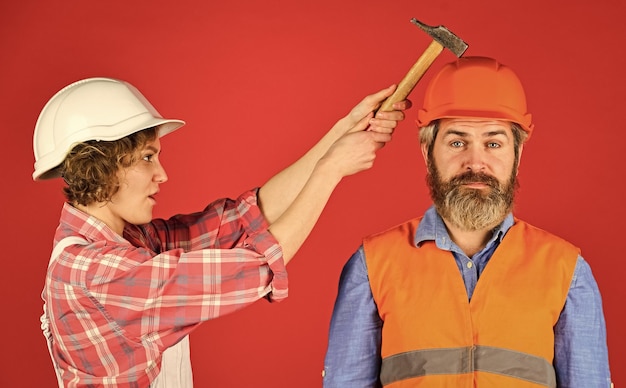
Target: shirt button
{"type": "Point", "coordinates": [470, 264]}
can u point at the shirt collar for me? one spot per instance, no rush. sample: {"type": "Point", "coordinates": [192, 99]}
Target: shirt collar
{"type": "Point", "coordinates": [432, 228]}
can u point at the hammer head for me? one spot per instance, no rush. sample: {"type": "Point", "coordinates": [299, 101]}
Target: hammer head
{"type": "Point", "coordinates": [444, 36]}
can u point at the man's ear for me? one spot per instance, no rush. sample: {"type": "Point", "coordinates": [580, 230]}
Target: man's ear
{"type": "Point", "coordinates": [424, 148]}
{"type": "Point", "coordinates": [519, 158]}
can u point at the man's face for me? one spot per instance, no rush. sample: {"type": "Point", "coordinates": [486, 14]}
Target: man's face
{"type": "Point", "coordinates": [472, 171]}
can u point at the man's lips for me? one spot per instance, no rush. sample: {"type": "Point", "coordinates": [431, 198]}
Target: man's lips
{"type": "Point", "coordinates": [476, 185]}
{"type": "Point", "coordinates": [474, 181]}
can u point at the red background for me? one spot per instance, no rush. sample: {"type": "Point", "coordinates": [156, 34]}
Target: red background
{"type": "Point", "coordinates": [258, 83]}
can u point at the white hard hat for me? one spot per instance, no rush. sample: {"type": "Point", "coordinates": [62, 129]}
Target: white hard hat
{"type": "Point", "coordinates": [91, 109]}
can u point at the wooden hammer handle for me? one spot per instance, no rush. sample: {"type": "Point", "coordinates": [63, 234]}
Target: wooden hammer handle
{"type": "Point", "coordinates": [413, 76]}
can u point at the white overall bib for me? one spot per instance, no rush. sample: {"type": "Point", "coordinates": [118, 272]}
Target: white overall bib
{"type": "Point", "coordinates": [175, 362]}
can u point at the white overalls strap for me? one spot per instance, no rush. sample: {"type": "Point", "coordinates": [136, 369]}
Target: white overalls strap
{"type": "Point", "coordinates": [45, 321]}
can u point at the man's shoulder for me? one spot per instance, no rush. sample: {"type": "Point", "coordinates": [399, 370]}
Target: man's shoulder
{"type": "Point", "coordinates": [531, 228]}
{"type": "Point", "coordinates": [410, 224]}
{"type": "Point", "coordinates": [541, 234]}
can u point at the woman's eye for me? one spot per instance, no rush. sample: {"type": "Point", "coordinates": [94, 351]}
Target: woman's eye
{"type": "Point", "coordinates": [148, 158]}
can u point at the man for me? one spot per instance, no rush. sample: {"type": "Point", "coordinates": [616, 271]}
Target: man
{"type": "Point", "coordinates": [526, 310]}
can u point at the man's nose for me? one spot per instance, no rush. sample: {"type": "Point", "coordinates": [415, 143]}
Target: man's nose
{"type": "Point", "coordinates": [475, 158]}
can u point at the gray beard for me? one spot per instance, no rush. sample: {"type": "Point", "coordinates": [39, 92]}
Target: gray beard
{"type": "Point", "coordinates": [471, 209]}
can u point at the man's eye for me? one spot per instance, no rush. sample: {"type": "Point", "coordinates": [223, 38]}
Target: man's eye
{"type": "Point", "coordinates": [457, 144]}
{"type": "Point", "coordinates": [493, 145]}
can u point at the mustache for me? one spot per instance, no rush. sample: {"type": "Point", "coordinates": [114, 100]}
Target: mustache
{"type": "Point", "coordinates": [473, 177]}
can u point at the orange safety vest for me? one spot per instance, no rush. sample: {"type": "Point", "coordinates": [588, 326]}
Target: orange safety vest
{"type": "Point", "coordinates": [432, 336]}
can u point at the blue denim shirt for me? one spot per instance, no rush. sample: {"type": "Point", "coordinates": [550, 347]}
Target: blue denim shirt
{"type": "Point", "coordinates": [353, 354]}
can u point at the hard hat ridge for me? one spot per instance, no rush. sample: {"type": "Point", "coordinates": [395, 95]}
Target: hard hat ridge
{"type": "Point", "coordinates": [476, 87]}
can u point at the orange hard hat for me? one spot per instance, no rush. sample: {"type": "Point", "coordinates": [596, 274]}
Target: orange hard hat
{"type": "Point", "coordinates": [476, 87]}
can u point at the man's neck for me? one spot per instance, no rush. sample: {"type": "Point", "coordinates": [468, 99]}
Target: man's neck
{"type": "Point", "coordinates": [470, 242]}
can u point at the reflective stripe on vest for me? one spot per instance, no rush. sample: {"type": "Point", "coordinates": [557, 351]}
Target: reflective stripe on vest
{"type": "Point", "coordinates": [429, 326]}
{"type": "Point", "coordinates": [452, 361]}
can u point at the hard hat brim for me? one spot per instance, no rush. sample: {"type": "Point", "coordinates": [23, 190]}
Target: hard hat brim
{"type": "Point", "coordinates": [136, 124]}
{"type": "Point", "coordinates": [424, 118]}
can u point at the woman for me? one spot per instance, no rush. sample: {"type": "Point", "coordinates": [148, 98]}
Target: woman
{"type": "Point", "coordinates": [123, 291]}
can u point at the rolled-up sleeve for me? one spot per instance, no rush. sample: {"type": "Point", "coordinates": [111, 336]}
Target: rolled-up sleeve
{"type": "Point", "coordinates": [203, 265]}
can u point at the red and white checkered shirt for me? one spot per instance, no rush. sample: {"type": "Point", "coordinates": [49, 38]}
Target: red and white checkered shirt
{"type": "Point", "coordinates": [117, 303]}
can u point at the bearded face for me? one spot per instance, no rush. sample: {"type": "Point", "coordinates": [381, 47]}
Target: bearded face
{"type": "Point", "coordinates": [467, 208]}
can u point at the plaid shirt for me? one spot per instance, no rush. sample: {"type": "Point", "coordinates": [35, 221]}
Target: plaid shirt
{"type": "Point", "coordinates": [117, 303]}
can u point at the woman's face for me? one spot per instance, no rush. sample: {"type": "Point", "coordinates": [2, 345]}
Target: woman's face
{"type": "Point", "coordinates": [139, 185]}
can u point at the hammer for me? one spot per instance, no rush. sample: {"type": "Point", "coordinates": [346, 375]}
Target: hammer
{"type": "Point", "coordinates": [442, 37]}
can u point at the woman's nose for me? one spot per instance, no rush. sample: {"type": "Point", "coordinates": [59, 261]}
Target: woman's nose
{"type": "Point", "coordinates": [160, 175]}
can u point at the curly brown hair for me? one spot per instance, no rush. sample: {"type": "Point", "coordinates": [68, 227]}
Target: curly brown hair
{"type": "Point", "coordinates": [90, 169]}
